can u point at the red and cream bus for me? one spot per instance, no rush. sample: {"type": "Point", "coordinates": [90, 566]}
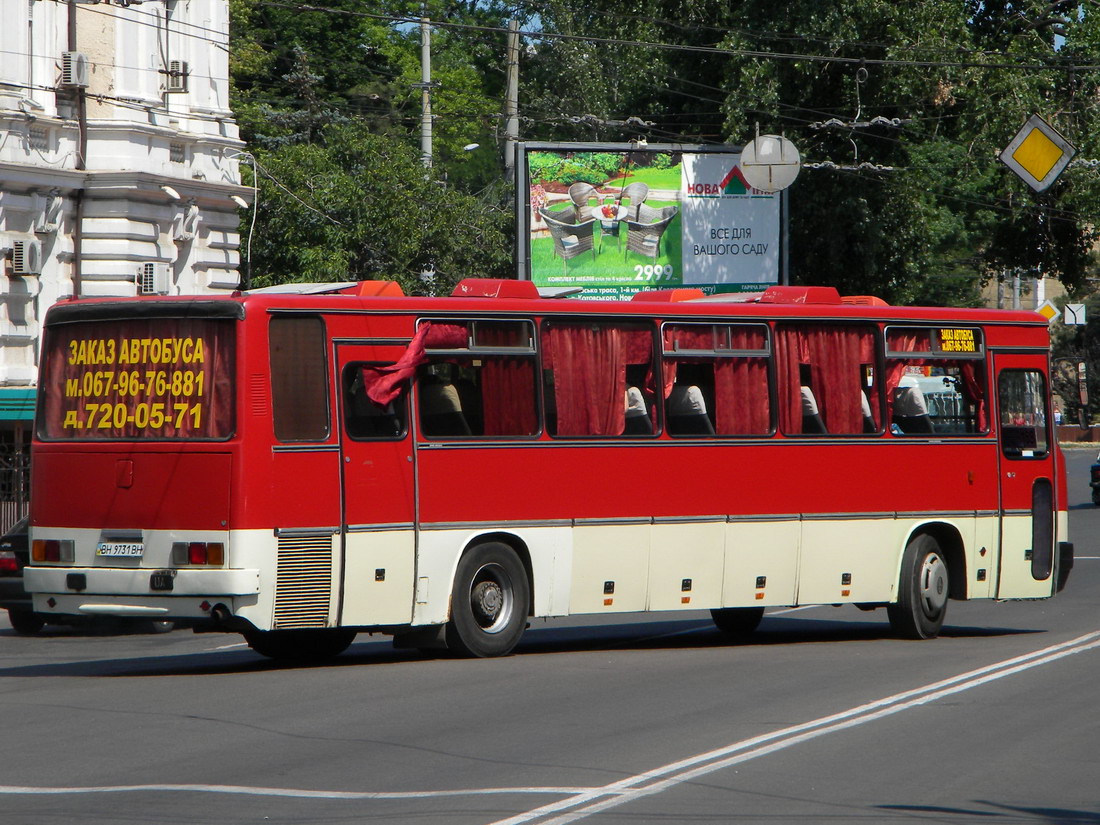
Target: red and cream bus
{"type": "Point", "coordinates": [302, 467]}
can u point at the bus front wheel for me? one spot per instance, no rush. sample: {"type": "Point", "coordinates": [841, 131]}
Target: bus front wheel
{"type": "Point", "coordinates": [489, 603]}
{"type": "Point", "coordinates": [300, 645]}
{"type": "Point", "coordinates": [922, 591]}
{"type": "Point", "coordinates": [737, 622]}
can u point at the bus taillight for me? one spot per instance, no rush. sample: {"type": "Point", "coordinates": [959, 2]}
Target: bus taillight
{"type": "Point", "coordinates": [192, 553]}
{"type": "Point", "coordinates": [59, 550]}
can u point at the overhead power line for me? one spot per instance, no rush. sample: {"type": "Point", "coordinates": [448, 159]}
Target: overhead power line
{"type": "Point", "coordinates": [716, 50]}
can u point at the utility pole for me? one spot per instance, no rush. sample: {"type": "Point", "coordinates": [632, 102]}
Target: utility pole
{"type": "Point", "coordinates": [511, 102]}
{"type": "Point", "coordinates": [426, 91]}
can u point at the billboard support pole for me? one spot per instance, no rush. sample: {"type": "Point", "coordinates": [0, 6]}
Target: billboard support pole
{"type": "Point", "coordinates": [784, 238]}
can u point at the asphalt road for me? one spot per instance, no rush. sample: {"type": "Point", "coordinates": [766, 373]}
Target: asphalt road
{"type": "Point", "coordinates": [822, 718]}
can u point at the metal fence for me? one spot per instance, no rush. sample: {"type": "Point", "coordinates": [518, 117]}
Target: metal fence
{"type": "Point", "coordinates": [15, 479]}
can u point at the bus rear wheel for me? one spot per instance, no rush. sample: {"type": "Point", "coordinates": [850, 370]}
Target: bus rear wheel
{"type": "Point", "coordinates": [922, 591]}
{"type": "Point", "coordinates": [489, 603]}
{"type": "Point", "coordinates": [737, 622]}
{"type": "Point", "coordinates": [25, 622]}
{"type": "Point", "coordinates": [300, 645]}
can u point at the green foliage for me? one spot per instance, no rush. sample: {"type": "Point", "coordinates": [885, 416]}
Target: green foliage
{"type": "Point", "coordinates": [321, 94]}
{"type": "Point", "coordinates": [581, 167]}
{"type": "Point", "coordinates": [326, 99]}
{"type": "Point", "coordinates": [363, 208]}
{"type": "Point", "coordinates": [545, 166]}
{"type": "Point", "coordinates": [941, 216]}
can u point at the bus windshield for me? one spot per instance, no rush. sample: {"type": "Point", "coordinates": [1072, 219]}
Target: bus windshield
{"type": "Point", "coordinates": [151, 378]}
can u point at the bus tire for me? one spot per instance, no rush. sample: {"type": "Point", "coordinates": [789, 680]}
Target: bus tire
{"type": "Point", "coordinates": [489, 603]}
{"type": "Point", "coordinates": [25, 622]}
{"type": "Point", "coordinates": [922, 591]}
{"type": "Point", "coordinates": [300, 645]}
{"type": "Point", "coordinates": [737, 622]}
{"type": "Point", "coordinates": [157, 626]}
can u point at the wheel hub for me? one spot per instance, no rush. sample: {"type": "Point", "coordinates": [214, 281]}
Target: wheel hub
{"type": "Point", "coordinates": [933, 585]}
{"type": "Point", "coordinates": [487, 600]}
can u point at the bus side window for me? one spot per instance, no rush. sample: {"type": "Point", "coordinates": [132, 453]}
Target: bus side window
{"type": "Point", "coordinates": [484, 396]}
{"type": "Point", "coordinates": [594, 373]}
{"type": "Point", "coordinates": [686, 409]}
{"type": "Point", "coordinates": [364, 418]}
{"type": "Point", "coordinates": [1022, 402]}
{"type": "Point", "coordinates": [716, 379]}
{"type": "Point", "coordinates": [825, 383]}
{"type": "Point", "coordinates": [440, 403]}
{"type": "Point", "coordinates": [935, 381]}
{"type": "Point", "coordinates": [299, 378]}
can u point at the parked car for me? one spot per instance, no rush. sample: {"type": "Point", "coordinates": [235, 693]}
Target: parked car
{"type": "Point", "coordinates": [14, 556]}
{"type": "Point", "coordinates": [1094, 481]}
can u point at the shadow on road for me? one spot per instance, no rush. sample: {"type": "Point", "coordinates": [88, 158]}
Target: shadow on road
{"type": "Point", "coordinates": [1052, 816]}
{"type": "Point", "coordinates": [667, 635]}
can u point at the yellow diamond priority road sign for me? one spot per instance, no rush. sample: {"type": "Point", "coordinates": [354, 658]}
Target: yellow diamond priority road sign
{"type": "Point", "coordinates": [1048, 310]}
{"type": "Point", "coordinates": [1038, 154]}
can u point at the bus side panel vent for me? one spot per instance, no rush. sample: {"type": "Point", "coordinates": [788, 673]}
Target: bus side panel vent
{"type": "Point", "coordinates": [303, 582]}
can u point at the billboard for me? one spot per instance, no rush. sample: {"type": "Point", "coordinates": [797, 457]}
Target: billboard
{"type": "Point", "coordinates": [613, 220]}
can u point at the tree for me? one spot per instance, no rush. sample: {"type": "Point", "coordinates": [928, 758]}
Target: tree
{"type": "Point", "coordinates": [924, 212]}
{"type": "Point", "coordinates": [358, 206]}
{"type": "Point", "coordinates": [328, 102]}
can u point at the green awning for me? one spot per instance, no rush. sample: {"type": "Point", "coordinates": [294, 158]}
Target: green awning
{"type": "Point", "coordinates": [17, 403]}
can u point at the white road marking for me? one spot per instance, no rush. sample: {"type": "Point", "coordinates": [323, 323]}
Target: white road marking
{"type": "Point", "coordinates": [686, 770]}
{"type": "Point", "coordinates": [794, 609]}
{"type": "Point", "coordinates": [250, 790]}
{"type": "Point", "coordinates": [582, 802]}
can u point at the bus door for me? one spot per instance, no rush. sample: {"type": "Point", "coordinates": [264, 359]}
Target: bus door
{"type": "Point", "coordinates": [378, 503]}
{"type": "Point", "coordinates": [1026, 464]}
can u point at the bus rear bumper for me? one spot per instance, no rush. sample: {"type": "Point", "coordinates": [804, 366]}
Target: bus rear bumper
{"type": "Point", "coordinates": [136, 592]}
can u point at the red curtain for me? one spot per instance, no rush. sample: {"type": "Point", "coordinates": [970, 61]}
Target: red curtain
{"type": "Point", "coordinates": [742, 405]}
{"type": "Point", "coordinates": [790, 353]}
{"type": "Point", "coordinates": [507, 388]}
{"type": "Point", "coordinates": [971, 374]}
{"type": "Point", "coordinates": [898, 341]}
{"type": "Point", "coordinates": [741, 387]}
{"type": "Point", "coordinates": [384, 384]}
{"type": "Point", "coordinates": [589, 363]}
{"type": "Point", "coordinates": [834, 355]}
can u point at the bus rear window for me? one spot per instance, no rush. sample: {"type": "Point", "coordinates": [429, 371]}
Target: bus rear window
{"type": "Point", "coordinates": [162, 378]}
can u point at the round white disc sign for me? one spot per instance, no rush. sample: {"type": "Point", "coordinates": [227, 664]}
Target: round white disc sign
{"type": "Point", "coordinates": [770, 163]}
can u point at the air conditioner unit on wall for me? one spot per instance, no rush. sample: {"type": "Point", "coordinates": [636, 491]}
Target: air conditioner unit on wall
{"type": "Point", "coordinates": [26, 258]}
{"type": "Point", "coordinates": [153, 279]}
{"type": "Point", "coordinates": [74, 70]}
{"type": "Point", "coordinates": [178, 71]}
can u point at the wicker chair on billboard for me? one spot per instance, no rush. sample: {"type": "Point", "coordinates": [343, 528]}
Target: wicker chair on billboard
{"type": "Point", "coordinates": [636, 193]}
{"type": "Point", "coordinates": [582, 195]}
{"type": "Point", "coordinates": [643, 236]}
{"type": "Point", "coordinates": [571, 238]}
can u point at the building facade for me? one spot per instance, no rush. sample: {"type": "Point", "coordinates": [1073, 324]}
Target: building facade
{"type": "Point", "coordinates": [119, 173]}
